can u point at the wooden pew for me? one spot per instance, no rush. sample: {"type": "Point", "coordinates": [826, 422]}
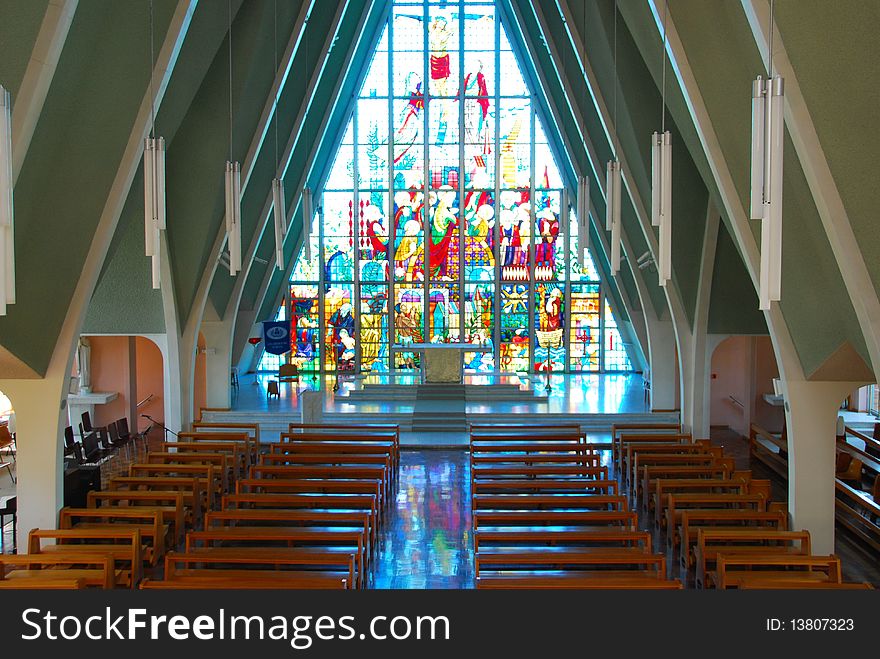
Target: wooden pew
{"type": "Point", "coordinates": [322, 473]}
{"type": "Point", "coordinates": [590, 537]}
{"type": "Point", "coordinates": [349, 431]}
{"type": "Point", "coordinates": [93, 569]}
{"type": "Point", "coordinates": [43, 584]}
{"type": "Point", "coordinates": [122, 546]}
{"type": "Point", "coordinates": [252, 447]}
{"type": "Point", "coordinates": [147, 522]}
{"type": "Point", "coordinates": [194, 489]}
{"type": "Point", "coordinates": [570, 581]}
{"type": "Point", "coordinates": [487, 461]}
{"type": "Point", "coordinates": [253, 429]}
{"type": "Point", "coordinates": [348, 519]}
{"type": "Point", "coordinates": [577, 518]}
{"type": "Point", "coordinates": [723, 469]}
{"type": "Point", "coordinates": [677, 503]}
{"type": "Point", "coordinates": [258, 565]}
{"type": "Point", "coordinates": [500, 429]}
{"type": "Point", "coordinates": [331, 460]}
{"type": "Point", "coordinates": [170, 504]}
{"type": "Point", "coordinates": [733, 570]}
{"type": "Point", "coordinates": [217, 460]}
{"type": "Point", "coordinates": [692, 520]}
{"type": "Point", "coordinates": [712, 542]}
{"type": "Point", "coordinates": [670, 432]}
{"type": "Point", "coordinates": [549, 502]}
{"type": "Point", "coordinates": [577, 560]}
{"type": "Point", "coordinates": [772, 584]}
{"type": "Point", "coordinates": [205, 472]}
{"type": "Point", "coordinates": [664, 486]}
{"type": "Point", "coordinates": [858, 513]}
{"type": "Point", "coordinates": [236, 452]}
{"type": "Point", "coordinates": [286, 501]}
{"type": "Point", "coordinates": [630, 467]}
{"type": "Point", "coordinates": [329, 538]}
{"type": "Point", "coordinates": [546, 486]}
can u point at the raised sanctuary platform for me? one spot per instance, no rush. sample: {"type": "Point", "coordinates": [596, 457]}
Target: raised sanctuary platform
{"type": "Point", "coordinates": [438, 414]}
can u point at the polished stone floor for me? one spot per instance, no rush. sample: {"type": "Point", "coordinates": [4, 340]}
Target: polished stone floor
{"type": "Point", "coordinates": [589, 393]}
{"type": "Point", "coordinates": [427, 541]}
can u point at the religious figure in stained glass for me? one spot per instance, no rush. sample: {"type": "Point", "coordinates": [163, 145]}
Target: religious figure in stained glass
{"type": "Point", "coordinates": [445, 215]}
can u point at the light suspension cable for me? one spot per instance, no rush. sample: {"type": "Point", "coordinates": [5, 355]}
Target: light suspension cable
{"type": "Point", "coordinates": [308, 211]}
{"type": "Point", "coordinates": [154, 179]}
{"type": "Point", "coordinates": [765, 201]}
{"type": "Point", "coordinates": [279, 207]}
{"type": "Point", "coordinates": [612, 175]}
{"type": "Point", "coordinates": [661, 176]}
{"type": "Point", "coordinates": [232, 181]}
{"type": "Point", "coordinates": [583, 191]}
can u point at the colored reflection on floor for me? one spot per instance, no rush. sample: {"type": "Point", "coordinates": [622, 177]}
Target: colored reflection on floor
{"type": "Point", "coordinates": [427, 541]}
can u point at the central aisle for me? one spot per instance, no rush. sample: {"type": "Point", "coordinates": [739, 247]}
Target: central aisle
{"type": "Point", "coordinates": [427, 541]}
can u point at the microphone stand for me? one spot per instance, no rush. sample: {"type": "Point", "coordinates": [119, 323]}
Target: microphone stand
{"type": "Point", "coordinates": [161, 425]}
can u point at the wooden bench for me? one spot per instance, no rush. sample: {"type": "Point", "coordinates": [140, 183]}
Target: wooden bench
{"type": "Point", "coordinates": [331, 460]}
{"type": "Point", "coordinates": [43, 584]}
{"type": "Point", "coordinates": [349, 432]}
{"type": "Point", "coordinates": [322, 473]}
{"type": "Point", "coordinates": [147, 522]}
{"type": "Point", "coordinates": [733, 570]}
{"type": "Point", "coordinates": [93, 569]}
{"type": "Point", "coordinates": [712, 542]}
{"type": "Point", "coordinates": [662, 432]}
{"type": "Point", "coordinates": [170, 504]}
{"type": "Point", "coordinates": [218, 461]}
{"type": "Point", "coordinates": [670, 516]}
{"type": "Point", "coordinates": [577, 581]}
{"type": "Point", "coordinates": [122, 546]}
{"type": "Point", "coordinates": [549, 502]}
{"type": "Point", "coordinates": [500, 429]}
{"type": "Point", "coordinates": [252, 429]}
{"type": "Point", "coordinates": [236, 452]}
{"type": "Point", "coordinates": [329, 538]}
{"type": "Point", "coordinates": [691, 521]}
{"type": "Point", "coordinates": [642, 461]}
{"type": "Point", "coordinates": [195, 490]}
{"type": "Point", "coordinates": [510, 518]}
{"type": "Point", "coordinates": [665, 486]}
{"type": "Point", "coordinates": [546, 486]}
{"type": "Point", "coordinates": [255, 566]}
{"type": "Point", "coordinates": [288, 501]}
{"type": "Point", "coordinates": [206, 473]}
{"type": "Point", "coordinates": [774, 584]}
{"type": "Point", "coordinates": [574, 559]}
{"type": "Point", "coordinates": [650, 474]}
{"type": "Point", "coordinates": [630, 469]}
{"type": "Point", "coordinates": [591, 537]}
{"type": "Point", "coordinates": [858, 513]}
{"type": "Point", "coordinates": [486, 462]}
{"type": "Point", "coordinates": [252, 446]}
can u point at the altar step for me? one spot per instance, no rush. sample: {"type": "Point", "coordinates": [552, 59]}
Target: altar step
{"type": "Point", "coordinates": [440, 407]}
{"type": "Point", "coordinates": [272, 424]}
{"type": "Point", "coordinates": [472, 393]}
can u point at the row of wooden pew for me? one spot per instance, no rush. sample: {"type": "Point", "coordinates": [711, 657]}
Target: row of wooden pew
{"type": "Point", "coordinates": [547, 515]}
{"type": "Point", "coordinates": [718, 521]}
{"type": "Point", "coordinates": [220, 509]}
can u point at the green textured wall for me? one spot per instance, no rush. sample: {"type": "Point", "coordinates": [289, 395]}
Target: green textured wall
{"type": "Point", "coordinates": [733, 308]}
{"type": "Point", "coordinates": [124, 301]}
{"type": "Point", "coordinates": [72, 161]}
{"type": "Point", "coordinates": [20, 22]}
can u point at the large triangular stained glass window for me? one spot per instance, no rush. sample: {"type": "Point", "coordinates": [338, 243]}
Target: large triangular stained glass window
{"type": "Point", "coordinates": [441, 218]}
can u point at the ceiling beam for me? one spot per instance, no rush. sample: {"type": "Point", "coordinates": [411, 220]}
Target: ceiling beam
{"type": "Point", "coordinates": [38, 77]}
{"type": "Point", "coordinates": [829, 203]}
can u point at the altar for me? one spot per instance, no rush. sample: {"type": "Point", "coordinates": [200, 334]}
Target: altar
{"type": "Point", "coordinates": [441, 362]}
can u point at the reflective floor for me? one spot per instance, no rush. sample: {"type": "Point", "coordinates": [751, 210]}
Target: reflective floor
{"type": "Point", "coordinates": [426, 541]}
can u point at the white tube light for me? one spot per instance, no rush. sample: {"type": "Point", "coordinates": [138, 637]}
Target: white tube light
{"type": "Point", "coordinates": [615, 247]}
{"type": "Point", "coordinates": [655, 179]}
{"type": "Point", "coordinates": [756, 204]}
{"type": "Point", "coordinates": [583, 218]}
{"type": "Point", "coordinates": [278, 212]}
{"type": "Point", "coordinates": [308, 213]}
{"type": "Point", "coordinates": [768, 143]}
{"type": "Point", "coordinates": [233, 215]}
{"type": "Point", "coordinates": [665, 266]}
{"type": "Point", "coordinates": [609, 195]}
{"type": "Point", "coordinates": [154, 201]}
{"type": "Point", "coordinates": [7, 240]}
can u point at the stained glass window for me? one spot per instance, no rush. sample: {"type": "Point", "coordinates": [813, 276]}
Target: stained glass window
{"type": "Point", "coordinates": [444, 216]}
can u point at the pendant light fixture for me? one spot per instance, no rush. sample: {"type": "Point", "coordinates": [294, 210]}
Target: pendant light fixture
{"type": "Point", "coordinates": [308, 213]}
{"type": "Point", "coordinates": [661, 178]}
{"type": "Point", "coordinates": [154, 180]}
{"type": "Point", "coordinates": [232, 182]}
{"type": "Point", "coordinates": [7, 243]}
{"type": "Point", "coordinates": [768, 133]}
{"type": "Point", "coordinates": [279, 207]}
{"type": "Point", "coordinates": [612, 176]}
{"type": "Point", "coordinates": [583, 191]}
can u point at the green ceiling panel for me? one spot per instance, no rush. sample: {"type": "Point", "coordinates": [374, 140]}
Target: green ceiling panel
{"type": "Point", "coordinates": [70, 167]}
{"type": "Point", "coordinates": [20, 22]}
{"type": "Point", "coordinates": [833, 49]}
{"type": "Point", "coordinates": [733, 308]}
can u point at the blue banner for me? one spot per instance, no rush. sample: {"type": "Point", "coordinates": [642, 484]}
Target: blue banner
{"type": "Point", "coordinates": [276, 336]}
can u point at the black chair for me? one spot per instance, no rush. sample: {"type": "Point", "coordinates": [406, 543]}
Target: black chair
{"type": "Point", "coordinates": [69, 441]}
{"type": "Point", "coordinates": [127, 435]}
{"type": "Point", "coordinates": [116, 440]}
{"type": "Point", "coordinates": [9, 506]}
{"type": "Point", "coordinates": [92, 448]}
